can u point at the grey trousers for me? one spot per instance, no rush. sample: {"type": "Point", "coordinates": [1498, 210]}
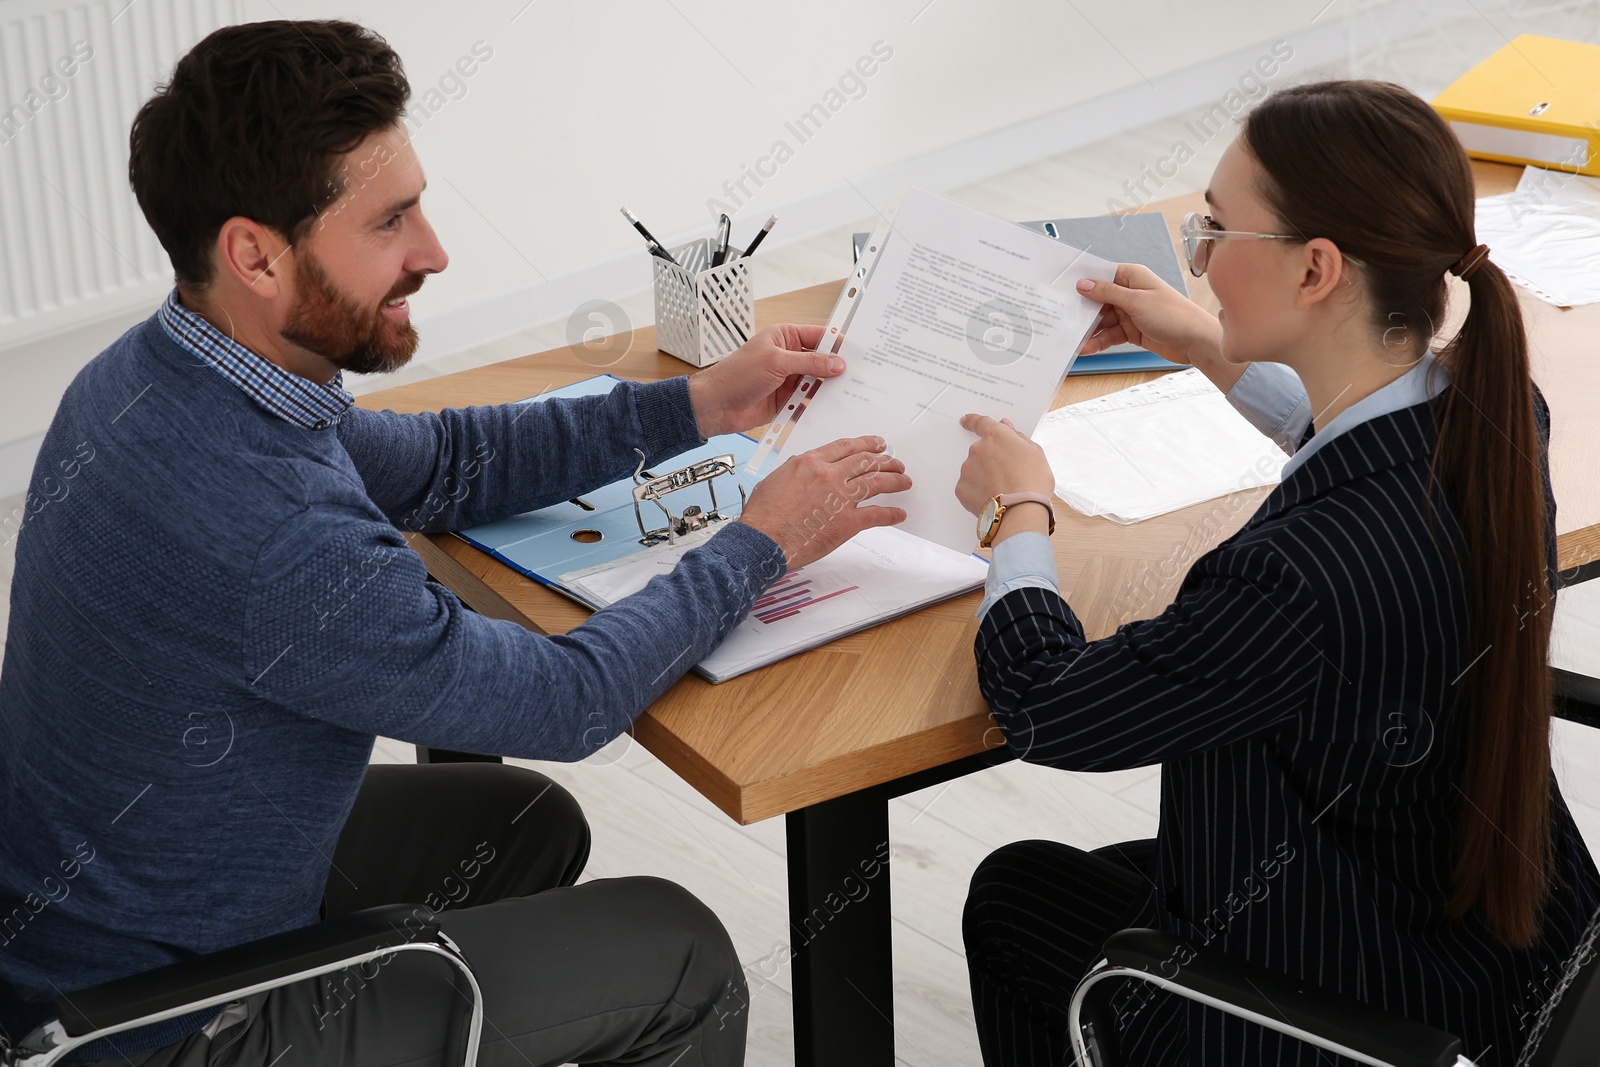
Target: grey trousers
{"type": "Point", "coordinates": [622, 970]}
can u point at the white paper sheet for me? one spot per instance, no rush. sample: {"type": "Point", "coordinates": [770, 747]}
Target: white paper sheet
{"type": "Point", "coordinates": [963, 312]}
{"type": "Point", "coordinates": [878, 575]}
{"type": "Point", "coordinates": [1155, 448]}
{"type": "Point", "coordinates": [1546, 235]}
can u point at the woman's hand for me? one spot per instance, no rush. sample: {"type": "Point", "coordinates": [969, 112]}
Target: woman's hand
{"type": "Point", "coordinates": [1143, 310]}
{"type": "Point", "coordinates": [1001, 460]}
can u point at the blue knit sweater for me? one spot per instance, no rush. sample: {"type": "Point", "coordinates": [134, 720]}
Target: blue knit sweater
{"type": "Point", "coordinates": [214, 613]}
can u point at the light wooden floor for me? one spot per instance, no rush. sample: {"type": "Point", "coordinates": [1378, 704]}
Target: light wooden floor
{"type": "Point", "coordinates": [646, 821]}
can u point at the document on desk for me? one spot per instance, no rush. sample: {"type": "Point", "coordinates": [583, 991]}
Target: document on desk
{"type": "Point", "coordinates": [1546, 235]}
{"type": "Point", "coordinates": [1154, 448]}
{"type": "Point", "coordinates": [957, 312]}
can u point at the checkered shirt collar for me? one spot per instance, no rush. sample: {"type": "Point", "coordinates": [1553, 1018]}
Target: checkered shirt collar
{"type": "Point", "coordinates": [288, 396]}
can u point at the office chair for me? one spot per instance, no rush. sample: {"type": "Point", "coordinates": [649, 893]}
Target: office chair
{"type": "Point", "coordinates": [255, 967]}
{"type": "Point", "coordinates": [1566, 1034]}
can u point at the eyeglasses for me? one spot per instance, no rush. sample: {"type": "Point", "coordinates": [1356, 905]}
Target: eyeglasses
{"type": "Point", "coordinates": [1198, 231]}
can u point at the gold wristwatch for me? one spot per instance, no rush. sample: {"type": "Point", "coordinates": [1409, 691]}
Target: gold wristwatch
{"type": "Point", "coordinates": [989, 521]}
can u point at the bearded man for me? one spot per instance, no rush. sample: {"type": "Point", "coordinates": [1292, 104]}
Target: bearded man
{"type": "Point", "coordinates": [215, 613]}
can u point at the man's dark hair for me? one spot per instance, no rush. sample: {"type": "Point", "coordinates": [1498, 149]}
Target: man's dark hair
{"type": "Point", "coordinates": [253, 123]}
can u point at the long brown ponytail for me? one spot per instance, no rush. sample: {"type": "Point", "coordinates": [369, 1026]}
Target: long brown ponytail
{"type": "Point", "coordinates": [1375, 170]}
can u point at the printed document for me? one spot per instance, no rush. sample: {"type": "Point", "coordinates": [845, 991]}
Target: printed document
{"type": "Point", "coordinates": [958, 312]}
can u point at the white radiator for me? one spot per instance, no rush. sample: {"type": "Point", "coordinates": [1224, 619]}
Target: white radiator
{"type": "Point", "coordinates": [74, 247]}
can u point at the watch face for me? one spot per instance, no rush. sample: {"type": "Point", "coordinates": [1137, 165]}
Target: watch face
{"type": "Point", "coordinates": [986, 520]}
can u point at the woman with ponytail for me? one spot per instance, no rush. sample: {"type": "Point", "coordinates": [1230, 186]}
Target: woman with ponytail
{"type": "Point", "coordinates": [1349, 698]}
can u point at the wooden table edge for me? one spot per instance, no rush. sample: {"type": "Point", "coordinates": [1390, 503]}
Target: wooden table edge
{"type": "Point", "coordinates": [1575, 548]}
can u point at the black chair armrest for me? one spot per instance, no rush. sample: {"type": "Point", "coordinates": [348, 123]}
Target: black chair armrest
{"type": "Point", "coordinates": [1577, 696]}
{"type": "Point", "coordinates": [1331, 1016]}
{"type": "Point", "coordinates": [270, 959]}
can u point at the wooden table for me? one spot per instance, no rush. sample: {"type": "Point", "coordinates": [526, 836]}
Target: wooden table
{"type": "Point", "coordinates": [826, 738]}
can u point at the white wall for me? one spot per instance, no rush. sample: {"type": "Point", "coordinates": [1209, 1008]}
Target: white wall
{"type": "Point", "coordinates": [584, 105]}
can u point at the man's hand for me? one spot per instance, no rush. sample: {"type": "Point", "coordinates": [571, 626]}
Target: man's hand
{"type": "Point", "coordinates": [749, 387]}
{"type": "Point", "coordinates": [1000, 461]}
{"type": "Point", "coordinates": [812, 503]}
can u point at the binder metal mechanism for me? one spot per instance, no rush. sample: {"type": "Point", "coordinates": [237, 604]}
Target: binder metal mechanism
{"type": "Point", "coordinates": [652, 489]}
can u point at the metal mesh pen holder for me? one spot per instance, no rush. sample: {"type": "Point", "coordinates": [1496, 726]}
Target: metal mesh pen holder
{"type": "Point", "coordinates": [703, 312]}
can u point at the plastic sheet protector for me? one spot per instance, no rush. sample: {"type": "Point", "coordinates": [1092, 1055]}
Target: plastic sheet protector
{"type": "Point", "coordinates": [1155, 448]}
{"type": "Point", "coordinates": [949, 311]}
{"type": "Point", "coordinates": [1546, 235]}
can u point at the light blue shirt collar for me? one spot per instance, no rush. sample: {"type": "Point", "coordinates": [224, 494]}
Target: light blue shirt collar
{"type": "Point", "coordinates": [1408, 390]}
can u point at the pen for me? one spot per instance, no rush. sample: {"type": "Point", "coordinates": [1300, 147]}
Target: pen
{"type": "Point", "coordinates": [655, 246]}
{"type": "Point", "coordinates": [724, 231]}
{"type": "Point", "coordinates": [761, 236]}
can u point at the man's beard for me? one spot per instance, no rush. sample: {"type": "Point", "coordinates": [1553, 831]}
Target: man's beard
{"type": "Point", "coordinates": [353, 338]}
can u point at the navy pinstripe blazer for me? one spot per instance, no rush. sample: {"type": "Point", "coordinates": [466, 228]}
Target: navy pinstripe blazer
{"type": "Point", "coordinates": [1298, 697]}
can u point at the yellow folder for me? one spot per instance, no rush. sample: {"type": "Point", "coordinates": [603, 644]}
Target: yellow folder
{"type": "Point", "coordinates": [1537, 100]}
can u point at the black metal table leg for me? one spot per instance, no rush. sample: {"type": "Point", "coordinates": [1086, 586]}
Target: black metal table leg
{"type": "Point", "coordinates": [839, 920]}
{"type": "Point", "coordinates": [839, 932]}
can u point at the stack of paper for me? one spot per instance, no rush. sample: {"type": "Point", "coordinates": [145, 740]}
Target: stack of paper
{"type": "Point", "coordinates": [1546, 235]}
{"type": "Point", "coordinates": [1155, 448]}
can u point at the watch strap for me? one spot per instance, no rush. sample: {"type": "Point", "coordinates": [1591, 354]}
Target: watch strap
{"type": "Point", "coordinates": [1003, 503]}
{"type": "Point", "coordinates": [1012, 499]}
